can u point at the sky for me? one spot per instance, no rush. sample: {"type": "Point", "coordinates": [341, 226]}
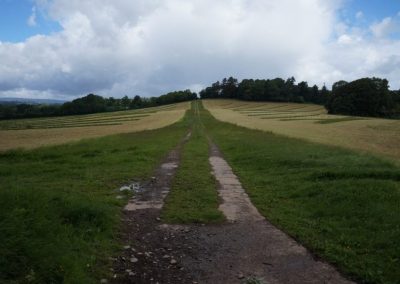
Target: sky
{"type": "Point", "coordinates": [63, 49]}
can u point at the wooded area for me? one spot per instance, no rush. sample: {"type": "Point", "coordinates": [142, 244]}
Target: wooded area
{"type": "Point", "coordinates": [91, 104]}
{"type": "Point", "coordinates": [363, 97]}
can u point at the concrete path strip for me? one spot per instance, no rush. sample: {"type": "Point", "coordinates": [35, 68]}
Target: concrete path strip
{"type": "Point", "coordinates": [236, 204]}
{"type": "Point", "coordinates": [265, 252]}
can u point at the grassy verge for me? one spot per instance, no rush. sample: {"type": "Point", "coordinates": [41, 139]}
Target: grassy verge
{"type": "Point", "coordinates": [193, 197]}
{"type": "Point", "coordinates": [343, 205]}
{"type": "Point", "coordinates": [58, 208]}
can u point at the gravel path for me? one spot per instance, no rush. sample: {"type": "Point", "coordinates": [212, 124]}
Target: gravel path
{"type": "Point", "coordinates": [246, 247]}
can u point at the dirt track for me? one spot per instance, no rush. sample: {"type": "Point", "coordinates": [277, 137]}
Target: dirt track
{"type": "Point", "coordinates": [245, 247]}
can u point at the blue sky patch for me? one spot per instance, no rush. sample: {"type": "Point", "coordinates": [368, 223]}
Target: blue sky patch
{"type": "Point", "coordinates": [14, 26]}
{"type": "Point", "coordinates": [364, 13]}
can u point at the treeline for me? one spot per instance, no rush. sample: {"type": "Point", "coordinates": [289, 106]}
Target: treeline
{"type": "Point", "coordinates": [275, 90]}
{"type": "Point", "coordinates": [92, 104]}
{"type": "Point", "coordinates": [363, 97]}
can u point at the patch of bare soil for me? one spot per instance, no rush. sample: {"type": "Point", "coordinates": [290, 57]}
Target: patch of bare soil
{"type": "Point", "coordinates": [151, 252]}
{"type": "Point", "coordinates": [246, 247]}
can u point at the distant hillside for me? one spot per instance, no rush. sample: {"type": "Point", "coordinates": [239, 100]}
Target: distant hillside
{"type": "Point", "coordinates": [11, 108]}
{"type": "Point", "coordinates": [8, 100]}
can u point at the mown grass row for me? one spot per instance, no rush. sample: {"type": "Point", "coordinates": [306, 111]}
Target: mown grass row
{"type": "Point", "coordinates": [193, 197]}
{"type": "Point", "coordinates": [59, 214]}
{"type": "Point", "coordinates": [343, 205]}
{"type": "Point", "coordinates": [102, 119]}
{"type": "Point", "coordinates": [272, 114]}
{"type": "Point", "coordinates": [64, 124]}
{"type": "Point", "coordinates": [287, 112]}
{"type": "Point", "coordinates": [279, 112]}
{"type": "Point", "coordinates": [316, 115]}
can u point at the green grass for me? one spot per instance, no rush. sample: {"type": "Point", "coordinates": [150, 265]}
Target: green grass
{"type": "Point", "coordinates": [343, 205]}
{"type": "Point", "coordinates": [193, 197]}
{"type": "Point", "coordinates": [59, 214]}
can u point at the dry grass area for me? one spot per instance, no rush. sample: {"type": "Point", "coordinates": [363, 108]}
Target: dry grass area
{"type": "Point", "coordinates": [311, 122]}
{"type": "Point", "coordinates": [33, 133]}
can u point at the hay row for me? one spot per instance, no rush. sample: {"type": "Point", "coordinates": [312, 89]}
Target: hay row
{"type": "Point", "coordinates": [97, 115]}
{"type": "Point", "coordinates": [62, 125]}
{"type": "Point", "coordinates": [75, 120]}
{"type": "Point", "coordinates": [281, 112]}
{"type": "Point", "coordinates": [293, 116]}
{"type": "Point", "coordinates": [102, 119]}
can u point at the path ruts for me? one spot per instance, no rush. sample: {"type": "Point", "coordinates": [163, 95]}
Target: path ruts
{"type": "Point", "coordinates": [245, 247]}
{"type": "Point", "coordinates": [148, 256]}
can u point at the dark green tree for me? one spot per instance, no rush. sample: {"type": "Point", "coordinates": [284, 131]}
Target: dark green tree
{"type": "Point", "coordinates": [363, 97]}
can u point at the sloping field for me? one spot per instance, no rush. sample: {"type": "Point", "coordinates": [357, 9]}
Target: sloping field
{"type": "Point", "coordinates": [311, 122]}
{"type": "Point", "coordinates": [32, 133]}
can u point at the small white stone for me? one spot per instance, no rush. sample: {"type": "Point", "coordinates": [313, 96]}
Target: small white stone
{"type": "Point", "coordinates": [125, 188]}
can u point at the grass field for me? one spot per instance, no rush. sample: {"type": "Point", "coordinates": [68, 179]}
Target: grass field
{"type": "Point", "coordinates": [341, 204]}
{"type": "Point", "coordinates": [33, 133]}
{"type": "Point", "coordinates": [310, 122]}
{"type": "Point", "coordinates": [59, 214]}
{"type": "Point", "coordinates": [193, 197]}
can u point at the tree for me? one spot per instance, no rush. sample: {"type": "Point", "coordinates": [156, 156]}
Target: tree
{"type": "Point", "coordinates": [363, 97]}
{"type": "Point", "coordinates": [338, 84]}
{"type": "Point", "coordinates": [125, 102]}
{"type": "Point", "coordinates": [229, 87]}
{"type": "Point", "coordinates": [136, 102]}
{"type": "Point", "coordinates": [304, 92]}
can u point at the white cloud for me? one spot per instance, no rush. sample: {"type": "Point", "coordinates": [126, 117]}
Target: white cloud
{"type": "Point", "coordinates": [359, 15]}
{"type": "Point", "coordinates": [346, 39]}
{"type": "Point", "coordinates": [384, 27]}
{"type": "Point", "coordinates": [149, 47]}
{"type": "Point", "coordinates": [32, 18]}
{"type": "Point", "coordinates": [353, 59]}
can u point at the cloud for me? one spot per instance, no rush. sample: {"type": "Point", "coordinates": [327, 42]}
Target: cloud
{"type": "Point", "coordinates": [149, 47]}
{"type": "Point", "coordinates": [32, 18]}
{"type": "Point", "coordinates": [359, 15]}
{"type": "Point", "coordinates": [356, 55]}
{"type": "Point", "coordinates": [384, 27]}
